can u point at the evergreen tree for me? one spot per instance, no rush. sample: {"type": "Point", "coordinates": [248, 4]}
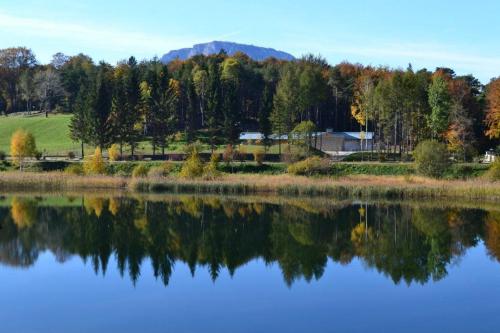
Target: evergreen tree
{"type": "Point", "coordinates": [265, 109]}
{"type": "Point", "coordinates": [133, 99]}
{"type": "Point", "coordinates": [439, 101]}
{"type": "Point", "coordinates": [100, 120]}
{"type": "Point", "coordinates": [79, 125]}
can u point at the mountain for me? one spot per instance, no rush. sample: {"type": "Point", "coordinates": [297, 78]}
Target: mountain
{"type": "Point", "coordinates": [254, 52]}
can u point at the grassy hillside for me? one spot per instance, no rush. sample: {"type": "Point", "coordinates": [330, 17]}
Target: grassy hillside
{"type": "Point", "coordinates": [52, 133]}
{"type": "Point", "coordinates": [52, 136]}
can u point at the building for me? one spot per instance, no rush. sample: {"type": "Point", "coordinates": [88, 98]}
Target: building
{"type": "Point", "coordinates": [328, 141]}
{"type": "Point", "coordinates": [335, 142]}
{"type": "Point", "coordinates": [490, 156]}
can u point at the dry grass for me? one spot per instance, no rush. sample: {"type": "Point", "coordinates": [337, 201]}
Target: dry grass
{"type": "Point", "coordinates": [367, 187]}
{"type": "Point", "coordinates": [54, 181]}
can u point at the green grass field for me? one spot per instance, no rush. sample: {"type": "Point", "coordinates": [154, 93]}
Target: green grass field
{"type": "Point", "coordinates": [51, 134]}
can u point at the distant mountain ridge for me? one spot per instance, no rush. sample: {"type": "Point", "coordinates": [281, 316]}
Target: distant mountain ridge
{"type": "Point", "coordinates": [254, 52]}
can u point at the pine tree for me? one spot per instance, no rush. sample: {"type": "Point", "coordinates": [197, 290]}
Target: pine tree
{"type": "Point", "coordinates": [100, 121]}
{"type": "Point", "coordinates": [79, 125]}
{"type": "Point", "coordinates": [133, 99]}
{"type": "Point", "coordinates": [265, 109]}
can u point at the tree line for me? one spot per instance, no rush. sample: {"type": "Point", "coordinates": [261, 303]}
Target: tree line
{"type": "Point", "coordinates": [214, 98]}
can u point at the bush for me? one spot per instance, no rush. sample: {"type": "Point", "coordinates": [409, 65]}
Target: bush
{"type": "Point", "coordinates": [258, 155]}
{"type": "Point", "coordinates": [210, 171]}
{"type": "Point", "coordinates": [310, 166]}
{"type": "Point", "coordinates": [162, 170]}
{"type": "Point", "coordinates": [74, 169]}
{"type": "Point", "coordinates": [228, 154]}
{"type": "Point", "coordinates": [3, 155]}
{"type": "Point", "coordinates": [140, 171]}
{"type": "Point", "coordinates": [493, 172]}
{"type": "Point", "coordinates": [431, 158]}
{"type": "Point", "coordinates": [193, 167]}
{"type": "Point", "coordinates": [114, 152]}
{"type": "Point", "coordinates": [95, 165]}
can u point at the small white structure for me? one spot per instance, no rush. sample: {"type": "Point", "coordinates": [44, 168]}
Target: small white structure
{"type": "Point", "coordinates": [490, 156]}
{"type": "Point", "coordinates": [245, 136]}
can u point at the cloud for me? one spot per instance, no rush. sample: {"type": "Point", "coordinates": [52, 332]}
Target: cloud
{"type": "Point", "coordinates": [90, 35]}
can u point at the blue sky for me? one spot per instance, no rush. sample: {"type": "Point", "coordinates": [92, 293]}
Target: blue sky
{"type": "Point", "coordinates": [460, 34]}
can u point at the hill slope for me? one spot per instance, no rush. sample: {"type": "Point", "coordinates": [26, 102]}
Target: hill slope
{"type": "Point", "coordinates": [51, 134]}
{"type": "Point", "coordinates": [254, 52]}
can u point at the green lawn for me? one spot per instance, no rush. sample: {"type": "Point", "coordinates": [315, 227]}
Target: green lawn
{"type": "Point", "coordinates": [51, 134]}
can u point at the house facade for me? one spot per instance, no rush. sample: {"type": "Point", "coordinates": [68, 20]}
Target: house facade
{"type": "Point", "coordinates": [328, 141]}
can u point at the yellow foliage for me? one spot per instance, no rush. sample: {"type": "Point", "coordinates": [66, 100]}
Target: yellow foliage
{"type": "Point", "coordinates": [23, 212]}
{"type": "Point", "coordinates": [140, 171]}
{"type": "Point", "coordinates": [210, 170]}
{"type": "Point", "coordinates": [95, 165]}
{"type": "Point", "coordinates": [22, 145]}
{"type": "Point", "coordinates": [114, 152]}
{"type": "Point", "coordinates": [360, 235]}
{"type": "Point", "coordinates": [114, 206]}
{"type": "Point", "coordinates": [193, 167]}
{"type": "Point", "coordinates": [358, 114]}
{"type": "Point", "coordinates": [93, 205]}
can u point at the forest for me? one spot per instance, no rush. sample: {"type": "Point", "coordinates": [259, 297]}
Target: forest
{"type": "Point", "coordinates": [214, 98]}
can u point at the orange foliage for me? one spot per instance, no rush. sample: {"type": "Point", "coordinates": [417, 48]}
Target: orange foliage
{"type": "Point", "coordinates": [493, 115]}
{"type": "Point", "coordinates": [493, 234]}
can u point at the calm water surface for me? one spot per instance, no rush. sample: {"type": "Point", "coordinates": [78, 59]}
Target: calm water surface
{"type": "Point", "coordinates": [215, 264]}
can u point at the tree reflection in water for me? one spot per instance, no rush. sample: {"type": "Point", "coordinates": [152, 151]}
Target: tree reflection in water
{"type": "Point", "coordinates": [406, 242]}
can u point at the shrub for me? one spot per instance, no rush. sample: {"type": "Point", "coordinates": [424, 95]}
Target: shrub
{"type": "Point", "coordinates": [74, 169]}
{"type": "Point", "coordinates": [95, 165]}
{"type": "Point", "coordinates": [192, 167]}
{"type": "Point", "coordinates": [141, 170]}
{"type": "Point", "coordinates": [431, 158]}
{"type": "Point", "coordinates": [210, 171]}
{"type": "Point", "coordinates": [161, 171]}
{"type": "Point", "coordinates": [258, 155]}
{"type": "Point", "coordinates": [493, 172]}
{"type": "Point", "coordinates": [310, 166]}
{"type": "Point", "coordinates": [114, 152]}
{"type": "Point", "coordinates": [228, 154]}
{"type": "Point", "coordinates": [3, 155]}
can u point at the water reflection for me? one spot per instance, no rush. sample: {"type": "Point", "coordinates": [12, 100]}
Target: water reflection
{"type": "Point", "coordinates": [406, 242]}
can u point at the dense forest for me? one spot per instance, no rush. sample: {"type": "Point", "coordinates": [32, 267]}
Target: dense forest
{"type": "Point", "coordinates": [214, 98]}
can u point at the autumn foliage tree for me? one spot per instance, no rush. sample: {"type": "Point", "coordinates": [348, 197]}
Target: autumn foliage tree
{"type": "Point", "coordinates": [22, 146]}
{"type": "Point", "coordinates": [493, 115]}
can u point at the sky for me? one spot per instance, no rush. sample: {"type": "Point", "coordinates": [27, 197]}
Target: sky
{"type": "Point", "coordinates": [463, 35]}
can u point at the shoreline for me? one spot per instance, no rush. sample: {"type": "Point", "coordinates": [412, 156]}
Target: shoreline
{"type": "Point", "coordinates": [357, 186]}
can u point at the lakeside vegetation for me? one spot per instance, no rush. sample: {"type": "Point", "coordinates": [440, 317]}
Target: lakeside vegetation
{"type": "Point", "coordinates": [360, 186]}
{"type": "Point", "coordinates": [214, 98]}
{"type": "Point", "coordinates": [431, 124]}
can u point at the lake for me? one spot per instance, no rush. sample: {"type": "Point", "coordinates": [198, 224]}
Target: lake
{"type": "Point", "coordinates": [85, 263]}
